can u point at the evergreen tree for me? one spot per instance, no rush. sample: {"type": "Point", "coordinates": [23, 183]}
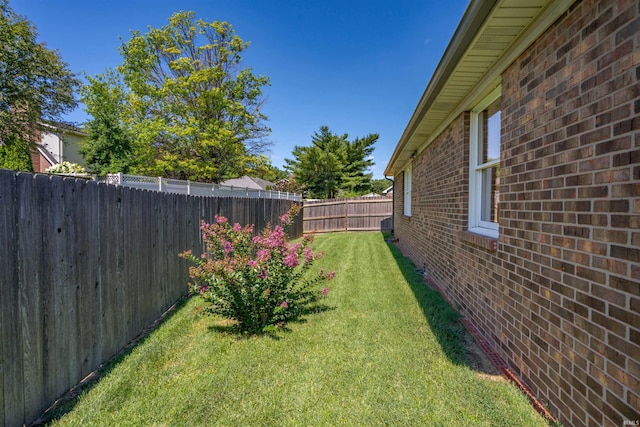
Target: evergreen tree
{"type": "Point", "coordinates": [333, 166]}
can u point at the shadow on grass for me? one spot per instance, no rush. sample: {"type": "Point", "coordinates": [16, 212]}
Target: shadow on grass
{"type": "Point", "coordinates": [229, 327]}
{"type": "Point", "coordinates": [455, 341]}
{"type": "Point", "coordinates": [70, 399]}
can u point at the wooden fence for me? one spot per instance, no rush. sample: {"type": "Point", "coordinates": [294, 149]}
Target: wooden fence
{"type": "Point", "coordinates": [360, 214]}
{"type": "Point", "coordinates": [84, 267]}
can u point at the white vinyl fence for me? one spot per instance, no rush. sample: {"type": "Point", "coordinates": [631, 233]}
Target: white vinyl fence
{"type": "Point", "coordinates": [195, 188]}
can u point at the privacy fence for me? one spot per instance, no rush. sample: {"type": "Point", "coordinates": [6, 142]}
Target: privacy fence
{"type": "Point", "coordinates": [84, 267]}
{"type": "Point", "coordinates": [196, 188]}
{"type": "Point", "coordinates": [359, 214]}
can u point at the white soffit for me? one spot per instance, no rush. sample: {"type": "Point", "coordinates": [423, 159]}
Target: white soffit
{"type": "Point", "coordinates": [506, 32]}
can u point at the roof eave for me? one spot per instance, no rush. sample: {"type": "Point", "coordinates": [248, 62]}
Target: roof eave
{"type": "Point", "coordinates": [471, 22]}
{"type": "Point", "coordinates": [491, 35]}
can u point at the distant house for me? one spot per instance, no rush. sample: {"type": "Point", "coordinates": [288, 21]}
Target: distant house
{"type": "Point", "coordinates": [388, 192]}
{"type": "Point", "coordinates": [248, 182]}
{"type": "Point", "coordinates": [61, 142]}
{"type": "Point", "coordinates": [517, 190]}
{"type": "Point", "coordinates": [371, 196]}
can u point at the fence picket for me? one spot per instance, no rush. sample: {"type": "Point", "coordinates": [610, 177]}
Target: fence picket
{"type": "Point", "coordinates": [11, 361]}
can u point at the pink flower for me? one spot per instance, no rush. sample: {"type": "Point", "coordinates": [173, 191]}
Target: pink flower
{"type": "Point", "coordinates": [253, 263]}
{"type": "Point", "coordinates": [264, 254]}
{"type": "Point", "coordinates": [275, 239]}
{"type": "Point", "coordinates": [286, 219]}
{"type": "Point", "coordinates": [331, 275]}
{"type": "Point", "coordinates": [204, 255]}
{"type": "Point", "coordinates": [325, 291]}
{"type": "Point", "coordinates": [203, 289]}
{"type": "Point", "coordinates": [308, 254]}
{"type": "Point", "coordinates": [284, 304]}
{"type": "Point", "coordinates": [263, 274]}
{"type": "Point", "coordinates": [227, 247]}
{"type": "Point", "coordinates": [291, 260]}
{"type": "Point", "coordinates": [236, 227]}
{"type": "Point", "coordinates": [220, 219]}
{"type": "Point", "coordinates": [295, 247]}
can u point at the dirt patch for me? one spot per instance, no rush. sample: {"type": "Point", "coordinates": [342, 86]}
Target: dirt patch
{"type": "Point", "coordinates": [479, 361]}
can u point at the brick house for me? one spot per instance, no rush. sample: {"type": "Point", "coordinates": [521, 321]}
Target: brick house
{"type": "Point", "coordinates": [517, 189]}
{"type": "Point", "coordinates": [60, 142]}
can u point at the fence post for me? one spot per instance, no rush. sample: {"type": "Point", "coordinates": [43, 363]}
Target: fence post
{"type": "Point", "coordinates": [346, 215]}
{"type": "Point", "coordinates": [160, 184]}
{"type": "Point", "coordinates": [188, 187]}
{"type": "Point", "coordinates": [119, 178]}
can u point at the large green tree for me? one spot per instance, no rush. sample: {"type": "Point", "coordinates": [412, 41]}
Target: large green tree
{"type": "Point", "coordinates": [109, 146]}
{"type": "Point", "coordinates": [195, 112]}
{"type": "Point", "coordinates": [36, 86]}
{"type": "Point", "coordinates": [333, 166]}
{"type": "Point", "coordinates": [261, 167]}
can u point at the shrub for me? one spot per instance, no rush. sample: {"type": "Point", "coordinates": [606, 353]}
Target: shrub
{"type": "Point", "coordinates": [67, 168]}
{"type": "Point", "coordinates": [259, 282]}
{"type": "Point", "coordinates": [15, 155]}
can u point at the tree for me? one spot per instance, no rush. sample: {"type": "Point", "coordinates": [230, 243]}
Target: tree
{"type": "Point", "coordinates": [379, 185]}
{"type": "Point", "coordinates": [109, 146]}
{"type": "Point", "coordinates": [358, 161]}
{"type": "Point", "coordinates": [36, 86]}
{"type": "Point", "coordinates": [14, 154]}
{"type": "Point", "coordinates": [195, 112]}
{"type": "Point", "coordinates": [333, 165]}
{"type": "Point", "coordinates": [289, 184]}
{"type": "Point", "coordinates": [260, 167]}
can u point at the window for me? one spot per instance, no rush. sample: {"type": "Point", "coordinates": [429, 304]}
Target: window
{"type": "Point", "coordinates": [484, 168]}
{"type": "Point", "coordinates": [407, 192]}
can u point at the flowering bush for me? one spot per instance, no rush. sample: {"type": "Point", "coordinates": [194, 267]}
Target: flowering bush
{"type": "Point", "coordinates": [66, 168]}
{"type": "Point", "coordinates": [260, 282]}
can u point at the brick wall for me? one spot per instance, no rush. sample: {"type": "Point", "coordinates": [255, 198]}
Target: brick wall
{"type": "Point", "coordinates": [38, 161]}
{"type": "Point", "coordinates": [560, 297]}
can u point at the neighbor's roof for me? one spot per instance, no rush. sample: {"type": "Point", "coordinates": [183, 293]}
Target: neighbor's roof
{"type": "Point", "coordinates": [248, 182]}
{"type": "Point", "coordinates": [65, 128]}
{"type": "Point", "coordinates": [490, 36]}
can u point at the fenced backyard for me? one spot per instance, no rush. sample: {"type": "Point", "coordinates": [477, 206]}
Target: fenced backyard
{"type": "Point", "coordinates": [84, 267]}
{"type": "Point", "coordinates": [356, 214]}
{"type": "Point", "coordinates": [386, 351]}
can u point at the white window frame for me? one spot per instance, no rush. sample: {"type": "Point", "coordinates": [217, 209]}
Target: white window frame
{"type": "Point", "coordinates": [407, 191]}
{"type": "Point", "coordinates": [476, 224]}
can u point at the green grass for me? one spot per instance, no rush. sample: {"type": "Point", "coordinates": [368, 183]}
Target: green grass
{"type": "Point", "coordinates": [388, 352]}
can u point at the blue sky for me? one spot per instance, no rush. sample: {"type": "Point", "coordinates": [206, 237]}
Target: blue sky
{"type": "Point", "coordinates": [358, 66]}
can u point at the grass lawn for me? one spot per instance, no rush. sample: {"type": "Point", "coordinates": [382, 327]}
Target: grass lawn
{"type": "Point", "coordinates": [388, 352]}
